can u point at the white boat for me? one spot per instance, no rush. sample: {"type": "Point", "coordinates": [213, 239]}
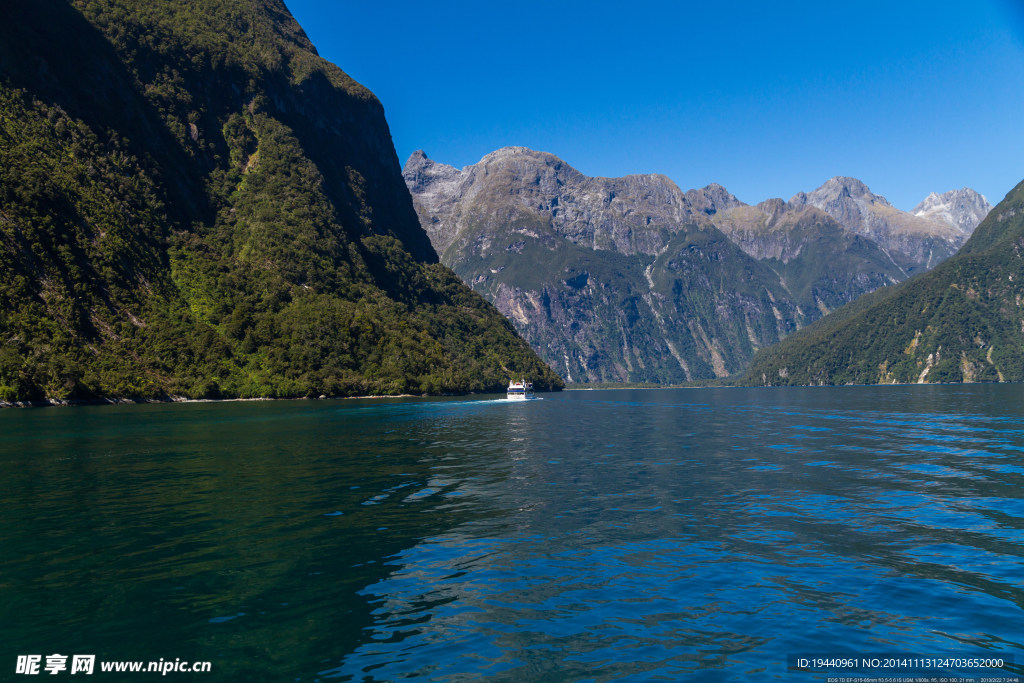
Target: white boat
{"type": "Point", "coordinates": [520, 391]}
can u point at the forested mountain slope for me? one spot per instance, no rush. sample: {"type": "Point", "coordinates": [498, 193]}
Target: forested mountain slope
{"type": "Point", "coordinates": [961, 322]}
{"type": "Point", "coordinates": [193, 203]}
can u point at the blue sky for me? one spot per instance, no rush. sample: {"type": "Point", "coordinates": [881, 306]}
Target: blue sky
{"type": "Point", "coordinates": [765, 98]}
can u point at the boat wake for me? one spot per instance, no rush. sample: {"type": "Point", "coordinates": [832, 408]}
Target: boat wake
{"type": "Point", "coordinates": [415, 407]}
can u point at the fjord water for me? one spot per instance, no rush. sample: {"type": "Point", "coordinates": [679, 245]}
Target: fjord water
{"type": "Point", "coordinates": [592, 535]}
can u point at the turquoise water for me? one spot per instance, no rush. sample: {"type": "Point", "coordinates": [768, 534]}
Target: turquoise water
{"type": "Point", "coordinates": [598, 535]}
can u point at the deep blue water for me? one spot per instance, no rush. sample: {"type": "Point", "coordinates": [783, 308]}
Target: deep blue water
{"type": "Point", "coordinates": [598, 535]}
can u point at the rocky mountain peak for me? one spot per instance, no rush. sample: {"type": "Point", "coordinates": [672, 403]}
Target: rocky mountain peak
{"type": "Point", "coordinates": [419, 156]}
{"type": "Point", "coordinates": [902, 336]}
{"type": "Point", "coordinates": [422, 172]}
{"type": "Point", "coordinates": [850, 186]}
{"type": "Point", "coordinates": [711, 199]}
{"type": "Point", "coordinates": [914, 241]}
{"type": "Point", "coordinates": [513, 151]}
{"type": "Point", "coordinates": [631, 214]}
{"type": "Point", "coordinates": [964, 209]}
{"type": "Point", "coordinates": [839, 188]}
{"type": "Point", "coordinates": [520, 158]}
{"type": "Point", "coordinates": [417, 162]}
{"type": "Point", "coordinates": [772, 207]}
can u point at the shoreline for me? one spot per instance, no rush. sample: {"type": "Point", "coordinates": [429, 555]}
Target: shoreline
{"type": "Point", "coordinates": [76, 403]}
{"type": "Point", "coordinates": [73, 403]}
{"type": "Point", "coordinates": [57, 403]}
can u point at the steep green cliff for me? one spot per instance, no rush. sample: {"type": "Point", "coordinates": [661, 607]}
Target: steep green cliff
{"type": "Point", "coordinates": [961, 322]}
{"type": "Point", "coordinates": [193, 203]}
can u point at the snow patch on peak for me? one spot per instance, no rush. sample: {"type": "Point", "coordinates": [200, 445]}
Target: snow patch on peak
{"type": "Point", "coordinates": [963, 209]}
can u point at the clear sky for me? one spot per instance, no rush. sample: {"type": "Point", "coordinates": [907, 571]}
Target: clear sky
{"type": "Point", "coordinates": [766, 98]}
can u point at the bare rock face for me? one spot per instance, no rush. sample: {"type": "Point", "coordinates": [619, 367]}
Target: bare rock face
{"type": "Point", "coordinates": [916, 241]}
{"type": "Point", "coordinates": [631, 279]}
{"type": "Point", "coordinates": [610, 279]}
{"type": "Point", "coordinates": [435, 190]}
{"type": "Point", "coordinates": [819, 262]}
{"type": "Point", "coordinates": [964, 209]}
{"type": "Point", "coordinates": [629, 215]}
{"type": "Point", "coordinates": [769, 230]}
{"type": "Point", "coordinates": [711, 199]}
{"type": "Point", "coordinates": [849, 201]}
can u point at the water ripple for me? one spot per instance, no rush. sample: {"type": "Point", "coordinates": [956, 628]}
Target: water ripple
{"type": "Point", "coordinates": [613, 535]}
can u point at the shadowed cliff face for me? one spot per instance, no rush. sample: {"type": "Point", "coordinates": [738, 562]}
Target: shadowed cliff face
{"type": "Point", "coordinates": [630, 279]}
{"type": "Point", "coordinates": [194, 203]}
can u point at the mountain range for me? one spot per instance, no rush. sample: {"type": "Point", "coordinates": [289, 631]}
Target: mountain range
{"type": "Point", "coordinates": [194, 204]}
{"type": "Point", "coordinates": [632, 280]}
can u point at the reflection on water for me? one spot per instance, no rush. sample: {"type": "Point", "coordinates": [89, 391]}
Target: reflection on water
{"type": "Point", "coordinates": [600, 535]}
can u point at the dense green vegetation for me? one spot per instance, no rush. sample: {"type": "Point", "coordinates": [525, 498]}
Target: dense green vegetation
{"type": "Point", "coordinates": [962, 321]}
{"type": "Point", "coordinates": [193, 203]}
